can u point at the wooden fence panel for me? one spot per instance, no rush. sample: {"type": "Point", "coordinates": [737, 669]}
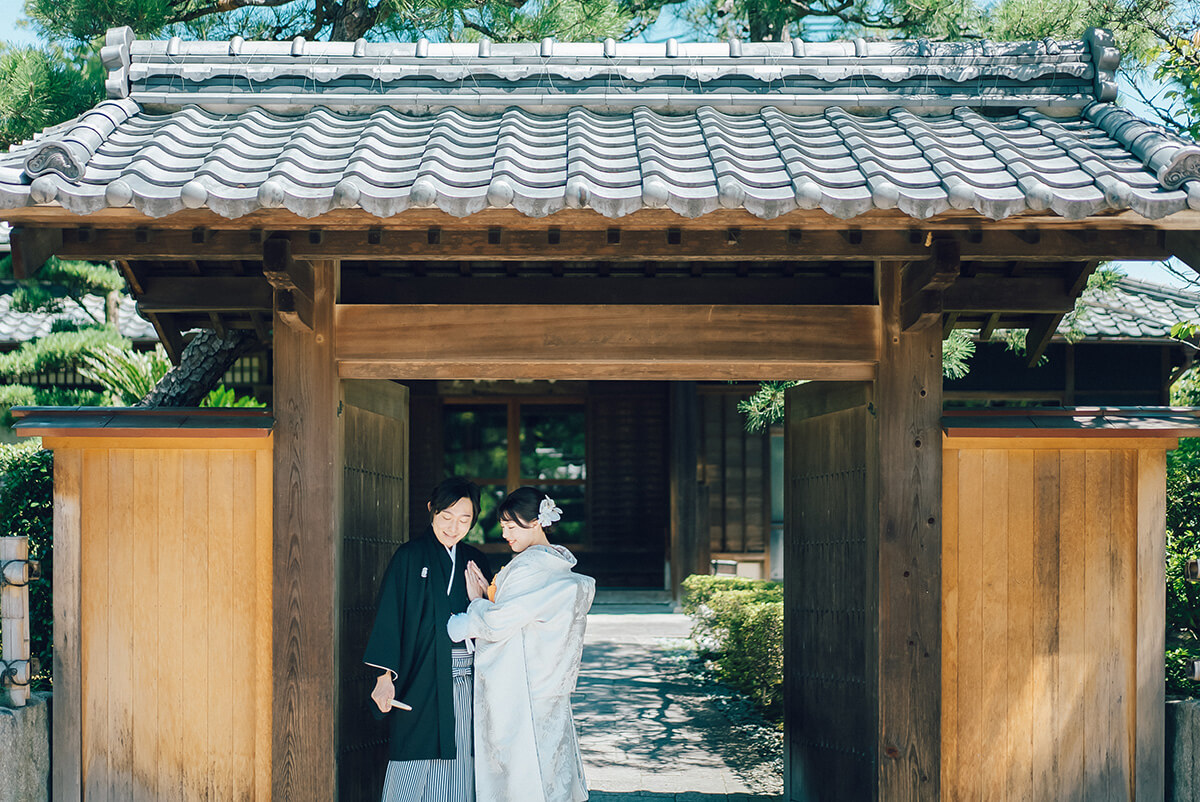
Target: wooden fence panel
{"type": "Point", "coordinates": [1041, 624]}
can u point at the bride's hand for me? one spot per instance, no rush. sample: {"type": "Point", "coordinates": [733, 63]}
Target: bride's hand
{"type": "Point", "coordinates": [476, 583]}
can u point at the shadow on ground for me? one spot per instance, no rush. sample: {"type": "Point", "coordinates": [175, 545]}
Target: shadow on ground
{"type": "Point", "coordinates": [649, 731]}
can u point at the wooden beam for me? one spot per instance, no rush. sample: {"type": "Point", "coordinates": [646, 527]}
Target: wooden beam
{"type": "Point", "coordinates": [306, 535]}
{"type": "Point", "coordinates": [295, 309]}
{"type": "Point", "coordinates": [922, 283]}
{"type": "Point", "coordinates": [212, 294]}
{"type": "Point", "coordinates": [360, 288]}
{"type": "Point", "coordinates": [1038, 337]}
{"type": "Point", "coordinates": [905, 616]}
{"type": "Point", "coordinates": [592, 342]}
{"type": "Point", "coordinates": [31, 247]}
{"type": "Point", "coordinates": [1013, 295]}
{"type": "Point", "coordinates": [641, 237]}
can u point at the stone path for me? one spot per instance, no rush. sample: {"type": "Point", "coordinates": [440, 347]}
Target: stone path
{"type": "Point", "coordinates": [648, 731]}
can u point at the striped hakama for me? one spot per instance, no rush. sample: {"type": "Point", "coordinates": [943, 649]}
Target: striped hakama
{"type": "Point", "coordinates": [441, 780]}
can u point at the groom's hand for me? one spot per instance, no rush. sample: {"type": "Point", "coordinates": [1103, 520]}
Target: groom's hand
{"type": "Point", "coordinates": [476, 583]}
{"type": "Point", "coordinates": [384, 692]}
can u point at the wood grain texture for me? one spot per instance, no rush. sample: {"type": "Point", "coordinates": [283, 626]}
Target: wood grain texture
{"type": "Point", "coordinates": [1151, 603]}
{"type": "Point", "coordinates": [829, 722]}
{"type": "Point", "coordinates": [909, 407]}
{"type": "Point", "coordinates": [522, 341]}
{"type": "Point", "coordinates": [94, 556]}
{"type": "Point", "coordinates": [950, 606]}
{"type": "Point", "coordinates": [375, 507]}
{"type": "Point", "coordinates": [1048, 704]}
{"type": "Point", "coordinates": [68, 720]}
{"type": "Point", "coordinates": [307, 520]}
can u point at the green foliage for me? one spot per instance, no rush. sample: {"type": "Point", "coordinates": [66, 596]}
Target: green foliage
{"type": "Point", "coordinates": [59, 350]}
{"type": "Point", "coordinates": [1183, 543]}
{"type": "Point", "coordinates": [41, 87]}
{"type": "Point", "coordinates": [27, 510]}
{"type": "Point", "coordinates": [957, 350]}
{"type": "Point", "coordinates": [226, 397]}
{"type": "Point", "coordinates": [127, 375]}
{"type": "Point", "coordinates": [739, 624]}
{"type": "Point", "coordinates": [339, 20]}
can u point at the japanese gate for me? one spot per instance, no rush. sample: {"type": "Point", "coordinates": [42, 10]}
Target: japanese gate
{"type": "Point", "coordinates": [752, 211]}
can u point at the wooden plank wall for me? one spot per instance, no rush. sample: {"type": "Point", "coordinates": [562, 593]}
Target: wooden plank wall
{"type": "Point", "coordinates": [1043, 697]}
{"type": "Point", "coordinates": [374, 521]}
{"type": "Point", "coordinates": [176, 619]}
{"type": "Point", "coordinates": [828, 722]}
{"type": "Point", "coordinates": [628, 485]}
{"type": "Point", "coordinates": [734, 473]}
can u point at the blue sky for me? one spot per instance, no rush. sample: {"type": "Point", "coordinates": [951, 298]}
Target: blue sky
{"type": "Point", "coordinates": [11, 12]}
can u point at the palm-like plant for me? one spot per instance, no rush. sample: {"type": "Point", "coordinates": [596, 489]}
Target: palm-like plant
{"type": "Point", "coordinates": [128, 376]}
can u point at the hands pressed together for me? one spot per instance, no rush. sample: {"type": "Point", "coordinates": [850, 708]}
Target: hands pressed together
{"type": "Point", "coordinates": [477, 583]}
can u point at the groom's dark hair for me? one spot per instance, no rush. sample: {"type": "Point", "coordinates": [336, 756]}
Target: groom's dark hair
{"type": "Point", "coordinates": [451, 490]}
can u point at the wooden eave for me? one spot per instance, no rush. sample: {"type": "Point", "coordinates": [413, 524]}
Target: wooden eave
{"type": "Point", "coordinates": [110, 422]}
{"type": "Point", "coordinates": [1089, 423]}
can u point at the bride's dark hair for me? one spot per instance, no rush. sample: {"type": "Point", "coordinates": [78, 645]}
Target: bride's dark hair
{"type": "Point", "coordinates": [521, 507]}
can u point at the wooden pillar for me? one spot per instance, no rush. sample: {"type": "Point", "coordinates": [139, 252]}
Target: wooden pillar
{"type": "Point", "coordinates": [689, 545]}
{"type": "Point", "coordinates": [907, 581]}
{"type": "Point", "coordinates": [67, 711]}
{"type": "Point", "coordinates": [306, 553]}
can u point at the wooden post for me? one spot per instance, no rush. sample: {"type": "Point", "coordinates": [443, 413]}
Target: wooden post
{"type": "Point", "coordinates": [306, 558]}
{"type": "Point", "coordinates": [907, 618]}
{"type": "Point", "coordinates": [66, 747]}
{"type": "Point", "coordinates": [689, 547]}
{"type": "Point", "coordinates": [14, 609]}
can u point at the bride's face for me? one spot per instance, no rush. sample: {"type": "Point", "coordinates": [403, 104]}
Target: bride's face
{"type": "Point", "coordinates": [522, 536]}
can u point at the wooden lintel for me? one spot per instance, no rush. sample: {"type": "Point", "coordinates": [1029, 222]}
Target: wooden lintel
{"type": "Point", "coordinates": [1038, 337]}
{"type": "Point", "coordinates": [31, 247]}
{"type": "Point", "coordinates": [295, 309]}
{"type": "Point", "coordinates": [362, 288]}
{"type": "Point", "coordinates": [633, 341]}
{"type": "Point", "coordinates": [213, 294]}
{"type": "Point", "coordinates": [703, 238]}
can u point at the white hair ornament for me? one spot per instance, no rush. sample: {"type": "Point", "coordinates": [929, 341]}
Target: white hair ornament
{"type": "Point", "coordinates": [548, 512]}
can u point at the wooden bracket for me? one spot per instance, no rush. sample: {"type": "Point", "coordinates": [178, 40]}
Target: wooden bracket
{"type": "Point", "coordinates": [922, 283]}
{"type": "Point", "coordinates": [294, 284]}
{"type": "Point", "coordinates": [31, 247]}
{"type": "Point", "coordinates": [295, 309]}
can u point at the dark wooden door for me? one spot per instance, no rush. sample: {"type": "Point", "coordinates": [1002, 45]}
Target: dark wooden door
{"type": "Point", "coordinates": [829, 513]}
{"type": "Point", "coordinates": [375, 435]}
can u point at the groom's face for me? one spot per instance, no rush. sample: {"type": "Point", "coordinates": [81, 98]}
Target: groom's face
{"type": "Point", "coordinates": [452, 524]}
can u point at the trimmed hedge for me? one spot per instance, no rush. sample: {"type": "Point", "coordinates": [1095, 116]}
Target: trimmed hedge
{"type": "Point", "coordinates": [27, 509]}
{"type": "Point", "coordinates": [738, 625]}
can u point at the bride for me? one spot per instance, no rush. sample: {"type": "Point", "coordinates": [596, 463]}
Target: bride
{"type": "Point", "coordinates": [528, 643]}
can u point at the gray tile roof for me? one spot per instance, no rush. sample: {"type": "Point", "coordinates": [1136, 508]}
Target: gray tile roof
{"type": "Point", "coordinates": [17, 327]}
{"type": "Point", "coordinates": [846, 127]}
{"type": "Point", "coordinates": [1132, 309]}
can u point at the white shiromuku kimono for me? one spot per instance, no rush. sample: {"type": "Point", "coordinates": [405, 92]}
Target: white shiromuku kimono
{"type": "Point", "coordinates": [527, 651]}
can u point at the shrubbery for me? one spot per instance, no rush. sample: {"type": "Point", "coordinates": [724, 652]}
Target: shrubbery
{"type": "Point", "coordinates": [739, 626]}
{"type": "Point", "coordinates": [27, 509]}
{"type": "Point", "coordinates": [1183, 543]}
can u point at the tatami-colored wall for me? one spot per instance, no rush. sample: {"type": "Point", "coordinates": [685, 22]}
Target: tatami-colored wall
{"type": "Point", "coordinates": [1053, 619]}
{"type": "Point", "coordinates": [174, 556]}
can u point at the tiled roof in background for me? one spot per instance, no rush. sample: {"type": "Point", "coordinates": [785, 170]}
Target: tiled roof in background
{"type": "Point", "coordinates": [1133, 309]}
{"type": "Point", "coordinates": [846, 127]}
{"type": "Point", "coordinates": [17, 327]}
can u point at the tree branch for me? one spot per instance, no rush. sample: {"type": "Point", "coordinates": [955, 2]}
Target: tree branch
{"type": "Point", "coordinates": [222, 6]}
